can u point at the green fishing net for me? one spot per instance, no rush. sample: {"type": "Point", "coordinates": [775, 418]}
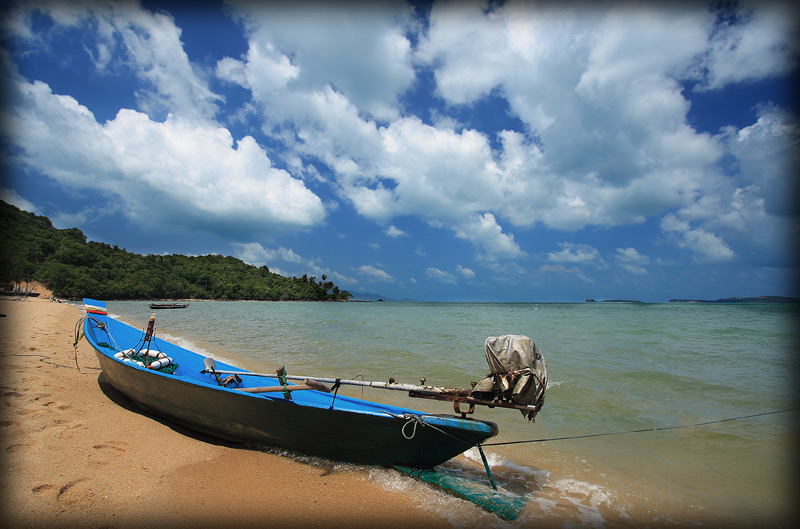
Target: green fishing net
{"type": "Point", "coordinates": [167, 370]}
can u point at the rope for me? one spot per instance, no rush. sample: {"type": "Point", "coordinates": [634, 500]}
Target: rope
{"type": "Point", "coordinates": [415, 420]}
{"type": "Point", "coordinates": [585, 436]}
{"type": "Point", "coordinates": [79, 335]}
{"type": "Point", "coordinates": [284, 383]}
{"type": "Point", "coordinates": [335, 389]}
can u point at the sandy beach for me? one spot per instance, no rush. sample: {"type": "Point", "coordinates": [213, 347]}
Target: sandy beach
{"type": "Point", "coordinates": [78, 453]}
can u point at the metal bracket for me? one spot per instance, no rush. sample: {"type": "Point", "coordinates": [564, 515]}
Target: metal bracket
{"type": "Point", "coordinates": [457, 407]}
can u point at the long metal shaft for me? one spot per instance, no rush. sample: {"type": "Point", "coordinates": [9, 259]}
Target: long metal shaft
{"type": "Point", "coordinates": [414, 390]}
{"type": "Point", "coordinates": [383, 385]}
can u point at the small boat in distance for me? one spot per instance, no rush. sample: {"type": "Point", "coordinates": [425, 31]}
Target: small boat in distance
{"type": "Point", "coordinates": [168, 305]}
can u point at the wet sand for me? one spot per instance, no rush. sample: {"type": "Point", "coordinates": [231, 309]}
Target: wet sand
{"type": "Point", "coordinates": [78, 453]}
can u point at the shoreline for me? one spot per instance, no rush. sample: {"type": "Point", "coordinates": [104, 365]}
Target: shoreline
{"type": "Point", "coordinates": [76, 451]}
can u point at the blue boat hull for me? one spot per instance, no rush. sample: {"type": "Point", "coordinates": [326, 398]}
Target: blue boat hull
{"type": "Point", "coordinates": [354, 430]}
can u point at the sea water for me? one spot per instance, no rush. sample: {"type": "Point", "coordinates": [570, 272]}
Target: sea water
{"type": "Point", "coordinates": [644, 374]}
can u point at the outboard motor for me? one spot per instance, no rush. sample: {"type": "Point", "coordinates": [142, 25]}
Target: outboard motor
{"type": "Point", "coordinates": [518, 373]}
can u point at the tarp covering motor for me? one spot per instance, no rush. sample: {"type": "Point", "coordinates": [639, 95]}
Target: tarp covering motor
{"type": "Point", "coordinates": [518, 372]}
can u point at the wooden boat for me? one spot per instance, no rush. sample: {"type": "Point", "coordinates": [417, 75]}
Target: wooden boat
{"type": "Point", "coordinates": [168, 305]}
{"type": "Point", "coordinates": [258, 409]}
{"type": "Point", "coordinates": [188, 389]}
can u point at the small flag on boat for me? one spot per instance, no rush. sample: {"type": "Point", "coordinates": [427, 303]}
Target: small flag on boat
{"type": "Point", "coordinates": [94, 307]}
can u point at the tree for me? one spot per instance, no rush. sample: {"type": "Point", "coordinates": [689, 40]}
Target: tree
{"type": "Point", "coordinates": [69, 265]}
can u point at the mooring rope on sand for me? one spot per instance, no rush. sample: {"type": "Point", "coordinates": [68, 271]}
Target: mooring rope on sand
{"type": "Point", "coordinates": [641, 430]}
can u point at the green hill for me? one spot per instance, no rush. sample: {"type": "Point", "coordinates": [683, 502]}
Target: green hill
{"type": "Point", "coordinates": [31, 249]}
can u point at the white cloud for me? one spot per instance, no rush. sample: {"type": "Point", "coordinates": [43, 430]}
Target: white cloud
{"type": "Point", "coordinates": [255, 254]}
{"type": "Point", "coordinates": [458, 32]}
{"type": "Point", "coordinates": [751, 208]}
{"type": "Point", "coordinates": [9, 196]}
{"type": "Point", "coordinates": [370, 62]}
{"type": "Point", "coordinates": [194, 173]}
{"type": "Point", "coordinates": [441, 276]}
{"type": "Point", "coordinates": [605, 137]}
{"type": "Point", "coordinates": [182, 170]}
{"type": "Point", "coordinates": [767, 152]}
{"type": "Point", "coordinates": [751, 44]}
{"type": "Point", "coordinates": [153, 43]}
{"type": "Point", "coordinates": [266, 70]}
{"type": "Point", "coordinates": [562, 270]}
{"type": "Point", "coordinates": [632, 261]}
{"type": "Point", "coordinates": [405, 167]}
{"type": "Point", "coordinates": [706, 246]}
{"type": "Point", "coordinates": [375, 274]}
{"type": "Point", "coordinates": [292, 264]}
{"type": "Point", "coordinates": [600, 94]}
{"type": "Point", "coordinates": [575, 253]}
{"type": "Point", "coordinates": [438, 173]}
{"type": "Point", "coordinates": [342, 279]}
{"type": "Point", "coordinates": [609, 142]}
{"type": "Point", "coordinates": [465, 272]}
{"type": "Point", "coordinates": [150, 44]}
{"type": "Point", "coordinates": [484, 232]}
{"type": "Point", "coordinates": [393, 231]}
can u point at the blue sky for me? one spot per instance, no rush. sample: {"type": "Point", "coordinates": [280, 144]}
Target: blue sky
{"type": "Point", "coordinates": [508, 151]}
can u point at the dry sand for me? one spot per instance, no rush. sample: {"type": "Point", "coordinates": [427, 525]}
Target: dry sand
{"type": "Point", "coordinates": [78, 453]}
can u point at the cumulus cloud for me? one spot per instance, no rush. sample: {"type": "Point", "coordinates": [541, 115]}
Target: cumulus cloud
{"type": "Point", "coordinates": [706, 246]}
{"type": "Point", "coordinates": [605, 138]}
{"type": "Point", "coordinates": [756, 198]}
{"type": "Point", "coordinates": [284, 261]}
{"type": "Point", "coordinates": [597, 135]}
{"type": "Point", "coordinates": [465, 272]}
{"type": "Point", "coordinates": [603, 98]}
{"type": "Point", "coordinates": [632, 261]}
{"type": "Point", "coordinates": [375, 274]}
{"type": "Point", "coordinates": [393, 231]}
{"type": "Point", "coordinates": [607, 108]}
{"type": "Point", "coordinates": [193, 173]}
{"type": "Point", "coordinates": [563, 270]}
{"type": "Point", "coordinates": [484, 232]}
{"type": "Point", "coordinates": [254, 253]}
{"type": "Point", "coordinates": [266, 70]}
{"type": "Point", "coordinates": [440, 276]}
{"type": "Point", "coordinates": [574, 253]}
{"type": "Point", "coordinates": [153, 43]}
{"type": "Point", "coordinates": [749, 43]}
{"type": "Point", "coordinates": [766, 152]}
{"type": "Point", "coordinates": [9, 196]}
{"type": "Point", "coordinates": [149, 42]}
{"type": "Point", "coordinates": [370, 63]}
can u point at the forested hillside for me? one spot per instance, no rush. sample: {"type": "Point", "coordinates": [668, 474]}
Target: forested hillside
{"type": "Point", "coordinates": [31, 249]}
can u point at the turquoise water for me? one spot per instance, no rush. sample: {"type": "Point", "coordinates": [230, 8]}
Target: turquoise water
{"type": "Point", "coordinates": [612, 368]}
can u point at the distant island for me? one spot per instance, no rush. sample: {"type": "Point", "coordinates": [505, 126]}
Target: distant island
{"type": "Point", "coordinates": [368, 296]}
{"type": "Point", "coordinates": [590, 300]}
{"type": "Point", "coordinates": [758, 299]}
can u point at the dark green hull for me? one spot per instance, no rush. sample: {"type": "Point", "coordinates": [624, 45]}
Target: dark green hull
{"type": "Point", "coordinates": [332, 434]}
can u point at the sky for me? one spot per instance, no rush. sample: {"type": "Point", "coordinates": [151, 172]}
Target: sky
{"type": "Point", "coordinates": [467, 151]}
